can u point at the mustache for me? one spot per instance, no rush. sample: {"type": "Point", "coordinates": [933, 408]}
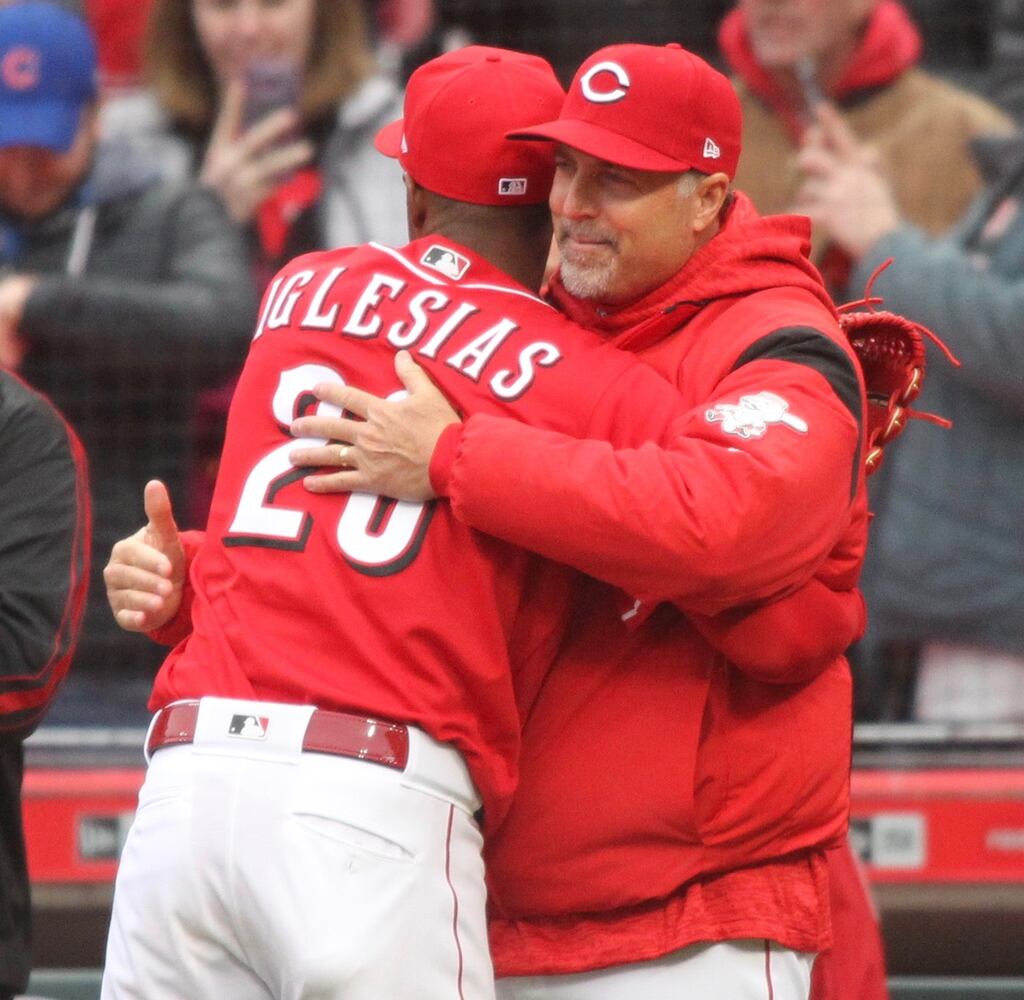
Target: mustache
{"type": "Point", "coordinates": [584, 230]}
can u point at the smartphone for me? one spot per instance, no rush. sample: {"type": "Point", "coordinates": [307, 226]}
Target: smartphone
{"type": "Point", "coordinates": [270, 84]}
{"type": "Point", "coordinates": [810, 88]}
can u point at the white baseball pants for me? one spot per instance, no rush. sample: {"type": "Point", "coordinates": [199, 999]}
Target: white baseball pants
{"type": "Point", "coordinates": [259, 872]}
{"type": "Point", "coordinates": [736, 970]}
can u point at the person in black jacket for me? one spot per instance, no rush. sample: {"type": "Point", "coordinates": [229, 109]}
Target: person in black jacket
{"type": "Point", "coordinates": [121, 298]}
{"type": "Point", "coordinates": [44, 559]}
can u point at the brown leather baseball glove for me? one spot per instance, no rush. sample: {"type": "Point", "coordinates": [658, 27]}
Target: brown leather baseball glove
{"type": "Point", "coordinates": [891, 350]}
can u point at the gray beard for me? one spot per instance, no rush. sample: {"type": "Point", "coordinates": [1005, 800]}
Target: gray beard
{"type": "Point", "coordinates": [586, 282]}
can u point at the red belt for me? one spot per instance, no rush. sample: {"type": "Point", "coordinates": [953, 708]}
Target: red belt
{"type": "Point", "coordinates": [335, 733]}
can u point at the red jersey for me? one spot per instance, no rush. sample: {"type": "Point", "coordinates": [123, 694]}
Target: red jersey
{"type": "Point", "coordinates": [356, 602]}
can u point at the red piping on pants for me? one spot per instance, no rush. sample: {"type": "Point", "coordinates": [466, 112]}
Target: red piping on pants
{"type": "Point", "coordinates": [455, 896]}
{"type": "Point", "coordinates": [768, 969]}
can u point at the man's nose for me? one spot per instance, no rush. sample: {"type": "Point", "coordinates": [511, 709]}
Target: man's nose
{"type": "Point", "coordinates": [248, 21]}
{"type": "Point", "coordinates": [18, 178]}
{"type": "Point", "coordinates": [577, 200]}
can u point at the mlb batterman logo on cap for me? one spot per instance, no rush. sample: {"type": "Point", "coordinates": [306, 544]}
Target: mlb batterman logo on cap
{"type": "Point", "coordinates": [458, 108]}
{"type": "Point", "coordinates": [47, 75]}
{"type": "Point", "coordinates": [649, 108]}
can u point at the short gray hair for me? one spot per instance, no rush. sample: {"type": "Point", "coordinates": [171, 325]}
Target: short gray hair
{"type": "Point", "coordinates": [689, 180]}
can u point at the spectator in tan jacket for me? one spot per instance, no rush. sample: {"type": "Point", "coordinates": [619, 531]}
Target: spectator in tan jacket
{"type": "Point", "coordinates": [861, 55]}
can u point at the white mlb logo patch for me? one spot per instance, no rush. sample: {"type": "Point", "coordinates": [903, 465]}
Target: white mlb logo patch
{"type": "Point", "coordinates": [511, 186]}
{"type": "Point", "coordinates": [447, 262]}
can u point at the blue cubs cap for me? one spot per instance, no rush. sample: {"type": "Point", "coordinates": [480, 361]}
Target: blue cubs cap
{"type": "Point", "coordinates": [47, 75]}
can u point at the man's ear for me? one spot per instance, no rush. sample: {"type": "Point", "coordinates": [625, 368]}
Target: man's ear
{"type": "Point", "coordinates": [88, 134]}
{"type": "Point", "coordinates": [415, 207]}
{"type": "Point", "coordinates": [711, 194]}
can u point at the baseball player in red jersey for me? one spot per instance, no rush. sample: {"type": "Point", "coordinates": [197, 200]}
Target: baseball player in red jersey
{"type": "Point", "coordinates": [347, 701]}
{"type": "Point", "coordinates": [669, 832]}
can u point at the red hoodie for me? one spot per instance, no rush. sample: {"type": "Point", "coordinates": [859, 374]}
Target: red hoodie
{"type": "Point", "coordinates": [666, 796]}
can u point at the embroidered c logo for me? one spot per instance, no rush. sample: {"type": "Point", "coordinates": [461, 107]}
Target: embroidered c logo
{"type": "Point", "coordinates": [591, 93]}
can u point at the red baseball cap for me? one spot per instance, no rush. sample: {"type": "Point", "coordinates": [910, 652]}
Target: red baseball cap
{"type": "Point", "coordinates": [458, 108]}
{"type": "Point", "coordinates": [649, 108]}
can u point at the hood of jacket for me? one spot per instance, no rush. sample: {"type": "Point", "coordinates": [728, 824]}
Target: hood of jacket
{"type": "Point", "coordinates": [889, 45]}
{"type": "Point", "coordinates": [749, 253]}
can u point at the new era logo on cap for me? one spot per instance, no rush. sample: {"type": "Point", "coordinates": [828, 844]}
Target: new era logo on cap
{"type": "Point", "coordinates": [249, 727]}
{"type": "Point", "coordinates": [711, 150]}
{"type": "Point", "coordinates": [511, 186]}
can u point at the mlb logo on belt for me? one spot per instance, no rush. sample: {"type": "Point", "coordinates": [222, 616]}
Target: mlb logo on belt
{"type": "Point", "coordinates": [249, 727]}
{"type": "Point", "coordinates": [512, 186]}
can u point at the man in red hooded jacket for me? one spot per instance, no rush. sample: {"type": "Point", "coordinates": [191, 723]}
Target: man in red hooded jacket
{"type": "Point", "coordinates": [669, 833]}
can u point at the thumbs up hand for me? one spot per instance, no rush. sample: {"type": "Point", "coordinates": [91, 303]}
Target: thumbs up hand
{"type": "Point", "coordinates": [146, 571]}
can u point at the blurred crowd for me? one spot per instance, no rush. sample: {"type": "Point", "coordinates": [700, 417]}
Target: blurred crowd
{"type": "Point", "coordinates": [187, 148]}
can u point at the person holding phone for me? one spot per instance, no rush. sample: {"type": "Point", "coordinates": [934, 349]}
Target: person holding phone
{"type": "Point", "coordinates": [863, 57]}
{"type": "Point", "coordinates": [120, 300]}
{"type": "Point", "coordinates": [273, 105]}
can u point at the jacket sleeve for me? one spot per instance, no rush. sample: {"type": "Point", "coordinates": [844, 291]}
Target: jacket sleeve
{"type": "Point", "coordinates": [44, 553]}
{"type": "Point", "coordinates": [977, 313]}
{"type": "Point", "coordinates": [791, 639]}
{"type": "Point", "coordinates": [202, 300]}
{"type": "Point", "coordinates": [711, 520]}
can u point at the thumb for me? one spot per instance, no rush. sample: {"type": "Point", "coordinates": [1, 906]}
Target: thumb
{"type": "Point", "coordinates": [411, 375]}
{"type": "Point", "coordinates": [157, 502]}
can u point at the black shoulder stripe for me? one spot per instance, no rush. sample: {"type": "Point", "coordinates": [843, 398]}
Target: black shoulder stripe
{"type": "Point", "coordinates": [803, 345]}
